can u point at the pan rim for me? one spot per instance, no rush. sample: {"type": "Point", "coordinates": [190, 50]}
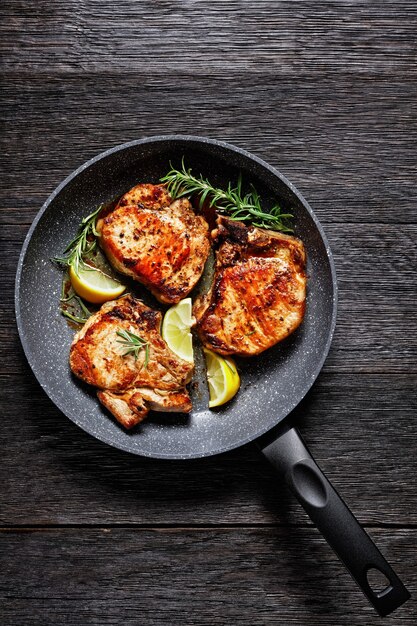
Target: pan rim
{"type": "Point", "coordinates": [186, 138]}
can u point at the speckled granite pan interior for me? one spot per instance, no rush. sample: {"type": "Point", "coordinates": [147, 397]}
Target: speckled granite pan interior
{"type": "Point", "coordinates": [272, 384]}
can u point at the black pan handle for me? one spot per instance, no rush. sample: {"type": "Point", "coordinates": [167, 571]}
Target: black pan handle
{"type": "Point", "coordinates": [290, 456]}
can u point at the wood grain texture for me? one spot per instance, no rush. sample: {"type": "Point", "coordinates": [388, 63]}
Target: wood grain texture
{"type": "Point", "coordinates": [206, 37]}
{"type": "Point", "coordinates": [250, 577]}
{"type": "Point", "coordinates": [325, 92]}
{"type": "Point", "coordinates": [349, 146]}
{"type": "Point", "coordinates": [365, 447]}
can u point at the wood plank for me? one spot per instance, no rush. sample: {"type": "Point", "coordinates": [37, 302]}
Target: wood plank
{"type": "Point", "coordinates": [206, 38]}
{"type": "Point", "coordinates": [324, 92]}
{"type": "Point", "coordinates": [348, 147]}
{"type": "Point", "coordinates": [252, 577]}
{"type": "Point", "coordinates": [361, 429]}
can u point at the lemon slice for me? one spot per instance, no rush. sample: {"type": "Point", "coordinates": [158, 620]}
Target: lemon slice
{"type": "Point", "coordinates": [223, 379]}
{"type": "Point", "coordinates": [95, 286]}
{"type": "Point", "coordinates": [176, 329]}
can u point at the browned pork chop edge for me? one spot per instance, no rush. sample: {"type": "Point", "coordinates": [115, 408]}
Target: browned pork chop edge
{"type": "Point", "coordinates": [160, 243]}
{"type": "Point", "coordinates": [127, 386]}
{"type": "Point", "coordinates": [258, 293]}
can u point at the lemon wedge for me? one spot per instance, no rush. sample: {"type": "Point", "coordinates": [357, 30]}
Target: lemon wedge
{"type": "Point", "coordinates": [94, 285]}
{"type": "Point", "coordinates": [223, 378]}
{"type": "Point", "coordinates": [176, 329]}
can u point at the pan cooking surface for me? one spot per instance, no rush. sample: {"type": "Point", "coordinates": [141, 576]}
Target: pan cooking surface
{"type": "Point", "coordinates": [272, 383]}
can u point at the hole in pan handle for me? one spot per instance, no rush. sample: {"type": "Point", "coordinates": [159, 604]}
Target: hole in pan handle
{"type": "Point", "coordinates": [291, 458]}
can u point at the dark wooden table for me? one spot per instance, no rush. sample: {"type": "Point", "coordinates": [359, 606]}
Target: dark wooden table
{"type": "Point", "coordinates": [326, 92]}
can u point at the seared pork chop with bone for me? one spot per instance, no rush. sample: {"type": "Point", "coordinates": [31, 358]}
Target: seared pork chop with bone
{"type": "Point", "coordinates": [258, 293]}
{"type": "Point", "coordinates": [160, 243]}
{"type": "Point", "coordinates": [130, 384]}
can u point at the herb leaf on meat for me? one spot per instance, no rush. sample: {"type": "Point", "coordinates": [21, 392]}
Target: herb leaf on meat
{"type": "Point", "coordinates": [134, 344]}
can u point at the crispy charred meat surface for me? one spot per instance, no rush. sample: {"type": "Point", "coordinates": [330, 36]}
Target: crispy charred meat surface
{"type": "Point", "coordinates": [160, 243]}
{"type": "Point", "coordinates": [258, 293]}
{"type": "Point", "coordinates": [130, 383]}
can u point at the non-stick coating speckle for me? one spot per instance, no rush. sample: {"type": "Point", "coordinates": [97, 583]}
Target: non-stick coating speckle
{"type": "Point", "coordinates": [272, 383]}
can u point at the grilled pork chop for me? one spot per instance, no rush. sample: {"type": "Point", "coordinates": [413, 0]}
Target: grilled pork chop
{"type": "Point", "coordinates": [258, 293]}
{"type": "Point", "coordinates": [162, 244]}
{"type": "Point", "coordinates": [128, 386]}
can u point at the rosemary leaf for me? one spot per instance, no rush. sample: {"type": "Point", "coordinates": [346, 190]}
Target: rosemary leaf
{"type": "Point", "coordinates": [74, 318]}
{"type": "Point", "coordinates": [73, 296]}
{"type": "Point", "coordinates": [239, 207]}
{"type": "Point", "coordinates": [82, 244]}
{"type": "Point", "coordinates": [133, 344]}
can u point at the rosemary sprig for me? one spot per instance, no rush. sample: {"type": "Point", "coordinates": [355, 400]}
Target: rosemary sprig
{"type": "Point", "coordinates": [238, 206]}
{"type": "Point", "coordinates": [64, 299]}
{"type": "Point", "coordinates": [74, 318]}
{"type": "Point", "coordinates": [83, 243]}
{"type": "Point", "coordinates": [134, 345]}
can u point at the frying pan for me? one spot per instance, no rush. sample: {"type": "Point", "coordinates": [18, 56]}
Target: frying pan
{"type": "Point", "coordinates": [272, 383]}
